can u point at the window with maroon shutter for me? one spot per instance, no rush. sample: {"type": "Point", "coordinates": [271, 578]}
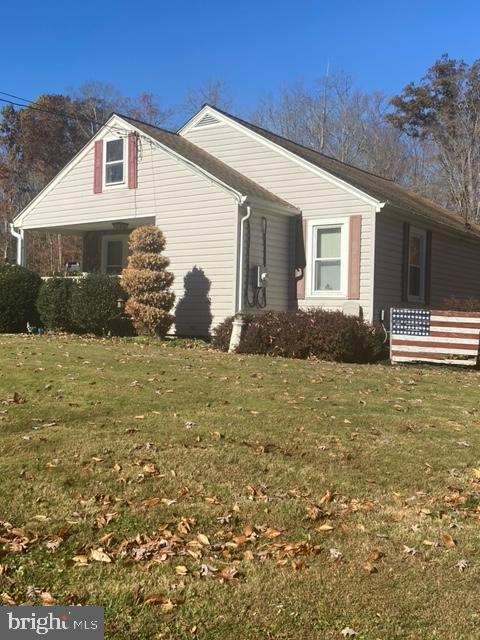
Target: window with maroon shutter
{"type": "Point", "coordinates": [98, 167]}
{"type": "Point", "coordinates": [354, 257]}
{"type": "Point", "coordinates": [300, 261]}
{"type": "Point", "coordinates": [132, 160]}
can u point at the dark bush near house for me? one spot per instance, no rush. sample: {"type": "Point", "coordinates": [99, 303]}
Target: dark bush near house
{"type": "Point", "coordinates": [462, 304]}
{"type": "Point", "coordinates": [54, 303]}
{"type": "Point", "coordinates": [327, 335]}
{"type": "Point", "coordinates": [94, 303]}
{"type": "Point", "coordinates": [18, 294]}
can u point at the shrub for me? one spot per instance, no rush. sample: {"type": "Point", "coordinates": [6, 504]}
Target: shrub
{"type": "Point", "coordinates": [147, 282]}
{"type": "Point", "coordinates": [94, 303]}
{"type": "Point", "coordinates": [327, 335]}
{"type": "Point", "coordinates": [462, 304]}
{"type": "Point", "coordinates": [18, 293]}
{"type": "Point", "coordinates": [54, 303]}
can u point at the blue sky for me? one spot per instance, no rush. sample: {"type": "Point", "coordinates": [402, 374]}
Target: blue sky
{"type": "Point", "coordinates": [255, 46]}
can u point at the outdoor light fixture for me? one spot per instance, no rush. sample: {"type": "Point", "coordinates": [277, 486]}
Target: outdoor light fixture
{"type": "Point", "coordinates": [120, 226]}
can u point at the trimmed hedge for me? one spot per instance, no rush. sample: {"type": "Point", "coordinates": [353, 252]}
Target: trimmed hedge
{"type": "Point", "coordinates": [18, 294]}
{"type": "Point", "coordinates": [94, 303]}
{"type": "Point", "coordinates": [53, 303]}
{"type": "Point", "coordinates": [315, 333]}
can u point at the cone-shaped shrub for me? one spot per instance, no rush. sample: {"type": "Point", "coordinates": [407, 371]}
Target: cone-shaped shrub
{"type": "Point", "coordinates": [147, 283]}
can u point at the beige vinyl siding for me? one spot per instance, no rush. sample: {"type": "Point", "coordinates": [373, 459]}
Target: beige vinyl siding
{"type": "Point", "coordinates": [279, 266]}
{"type": "Point", "coordinates": [197, 217]}
{"type": "Point", "coordinates": [315, 196]}
{"type": "Point", "coordinates": [455, 266]}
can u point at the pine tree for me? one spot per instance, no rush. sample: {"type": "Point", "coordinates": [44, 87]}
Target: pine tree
{"type": "Point", "coordinates": [147, 283]}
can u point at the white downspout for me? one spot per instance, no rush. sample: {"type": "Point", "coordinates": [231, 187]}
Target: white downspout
{"type": "Point", "coordinates": [241, 279]}
{"type": "Point", "coordinates": [238, 321]}
{"type": "Point", "coordinates": [20, 244]}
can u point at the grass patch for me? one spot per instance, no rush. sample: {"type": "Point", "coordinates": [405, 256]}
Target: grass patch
{"type": "Point", "coordinates": [195, 494]}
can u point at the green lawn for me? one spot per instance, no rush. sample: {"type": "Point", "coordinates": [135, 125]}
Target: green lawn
{"type": "Point", "coordinates": [201, 495]}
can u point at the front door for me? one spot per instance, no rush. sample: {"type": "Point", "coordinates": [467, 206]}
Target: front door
{"type": "Point", "coordinates": [114, 254]}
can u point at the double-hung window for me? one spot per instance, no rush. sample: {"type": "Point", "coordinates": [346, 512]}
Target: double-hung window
{"type": "Point", "coordinates": [328, 259]}
{"type": "Point", "coordinates": [114, 161]}
{"type": "Point", "coordinates": [416, 265]}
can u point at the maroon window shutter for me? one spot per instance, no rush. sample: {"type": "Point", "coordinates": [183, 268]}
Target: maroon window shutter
{"type": "Point", "coordinates": [132, 160]}
{"type": "Point", "coordinates": [98, 167]}
{"type": "Point", "coordinates": [405, 258]}
{"type": "Point", "coordinates": [301, 278]}
{"type": "Point", "coordinates": [428, 266]}
{"type": "Point", "coordinates": [354, 254]}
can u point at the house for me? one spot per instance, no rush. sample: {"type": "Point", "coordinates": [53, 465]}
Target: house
{"type": "Point", "coordinates": [255, 221]}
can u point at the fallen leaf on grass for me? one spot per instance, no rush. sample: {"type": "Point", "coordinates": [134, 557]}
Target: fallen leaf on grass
{"type": "Point", "coordinates": [181, 570]}
{"type": "Point", "coordinates": [166, 605]}
{"type": "Point", "coordinates": [80, 560]}
{"type": "Point", "coordinates": [335, 554]}
{"type": "Point", "coordinates": [7, 599]}
{"type": "Point", "coordinates": [462, 565]}
{"type": "Point", "coordinates": [202, 538]}
{"type": "Point", "coordinates": [324, 528]}
{"type": "Point", "coordinates": [271, 533]}
{"type": "Point", "coordinates": [150, 468]}
{"type": "Point", "coordinates": [99, 555]}
{"type": "Point", "coordinates": [151, 502]}
{"type": "Point", "coordinates": [370, 568]}
{"type": "Point", "coordinates": [313, 512]}
{"type": "Point", "coordinates": [47, 599]}
{"type": "Point", "coordinates": [206, 571]}
{"type": "Point", "coordinates": [348, 632]}
{"type": "Point", "coordinates": [448, 541]}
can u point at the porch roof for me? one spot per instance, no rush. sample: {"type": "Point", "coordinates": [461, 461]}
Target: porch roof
{"type": "Point", "coordinates": [106, 225]}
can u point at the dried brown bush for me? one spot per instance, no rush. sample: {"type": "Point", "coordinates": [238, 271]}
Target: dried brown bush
{"type": "Point", "coordinates": [147, 282]}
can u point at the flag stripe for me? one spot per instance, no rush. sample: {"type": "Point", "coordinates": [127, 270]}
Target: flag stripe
{"type": "Point", "coordinates": [458, 314]}
{"type": "Point", "coordinates": [441, 349]}
{"type": "Point", "coordinates": [454, 332]}
{"type": "Point", "coordinates": [456, 322]}
{"type": "Point", "coordinates": [445, 345]}
{"type": "Point", "coordinates": [416, 357]}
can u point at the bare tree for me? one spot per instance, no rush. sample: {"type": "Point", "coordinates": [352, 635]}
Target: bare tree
{"type": "Point", "coordinates": [215, 93]}
{"type": "Point", "coordinates": [342, 122]}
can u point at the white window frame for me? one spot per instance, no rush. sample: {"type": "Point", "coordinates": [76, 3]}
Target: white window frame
{"type": "Point", "coordinates": [112, 185]}
{"type": "Point", "coordinates": [422, 234]}
{"type": "Point", "coordinates": [329, 223]}
{"type": "Point", "coordinates": [113, 238]}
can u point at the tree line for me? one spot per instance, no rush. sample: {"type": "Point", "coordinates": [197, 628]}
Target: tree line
{"type": "Point", "coordinates": [426, 138]}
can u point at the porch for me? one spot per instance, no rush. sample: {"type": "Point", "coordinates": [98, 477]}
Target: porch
{"type": "Point", "coordinates": [104, 245]}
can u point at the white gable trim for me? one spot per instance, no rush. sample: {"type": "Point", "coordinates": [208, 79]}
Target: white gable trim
{"type": "Point", "coordinates": [282, 151]}
{"type": "Point", "coordinates": [108, 126]}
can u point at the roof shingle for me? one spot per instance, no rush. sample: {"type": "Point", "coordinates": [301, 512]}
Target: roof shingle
{"type": "Point", "coordinates": [382, 189]}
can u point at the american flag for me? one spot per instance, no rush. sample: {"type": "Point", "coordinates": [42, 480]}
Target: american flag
{"type": "Point", "coordinates": [447, 337]}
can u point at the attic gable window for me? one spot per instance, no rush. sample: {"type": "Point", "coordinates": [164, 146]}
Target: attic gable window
{"type": "Point", "coordinates": [114, 162]}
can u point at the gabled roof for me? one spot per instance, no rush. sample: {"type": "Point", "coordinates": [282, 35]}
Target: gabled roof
{"type": "Point", "coordinates": [382, 189]}
{"type": "Point", "coordinates": [209, 164]}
